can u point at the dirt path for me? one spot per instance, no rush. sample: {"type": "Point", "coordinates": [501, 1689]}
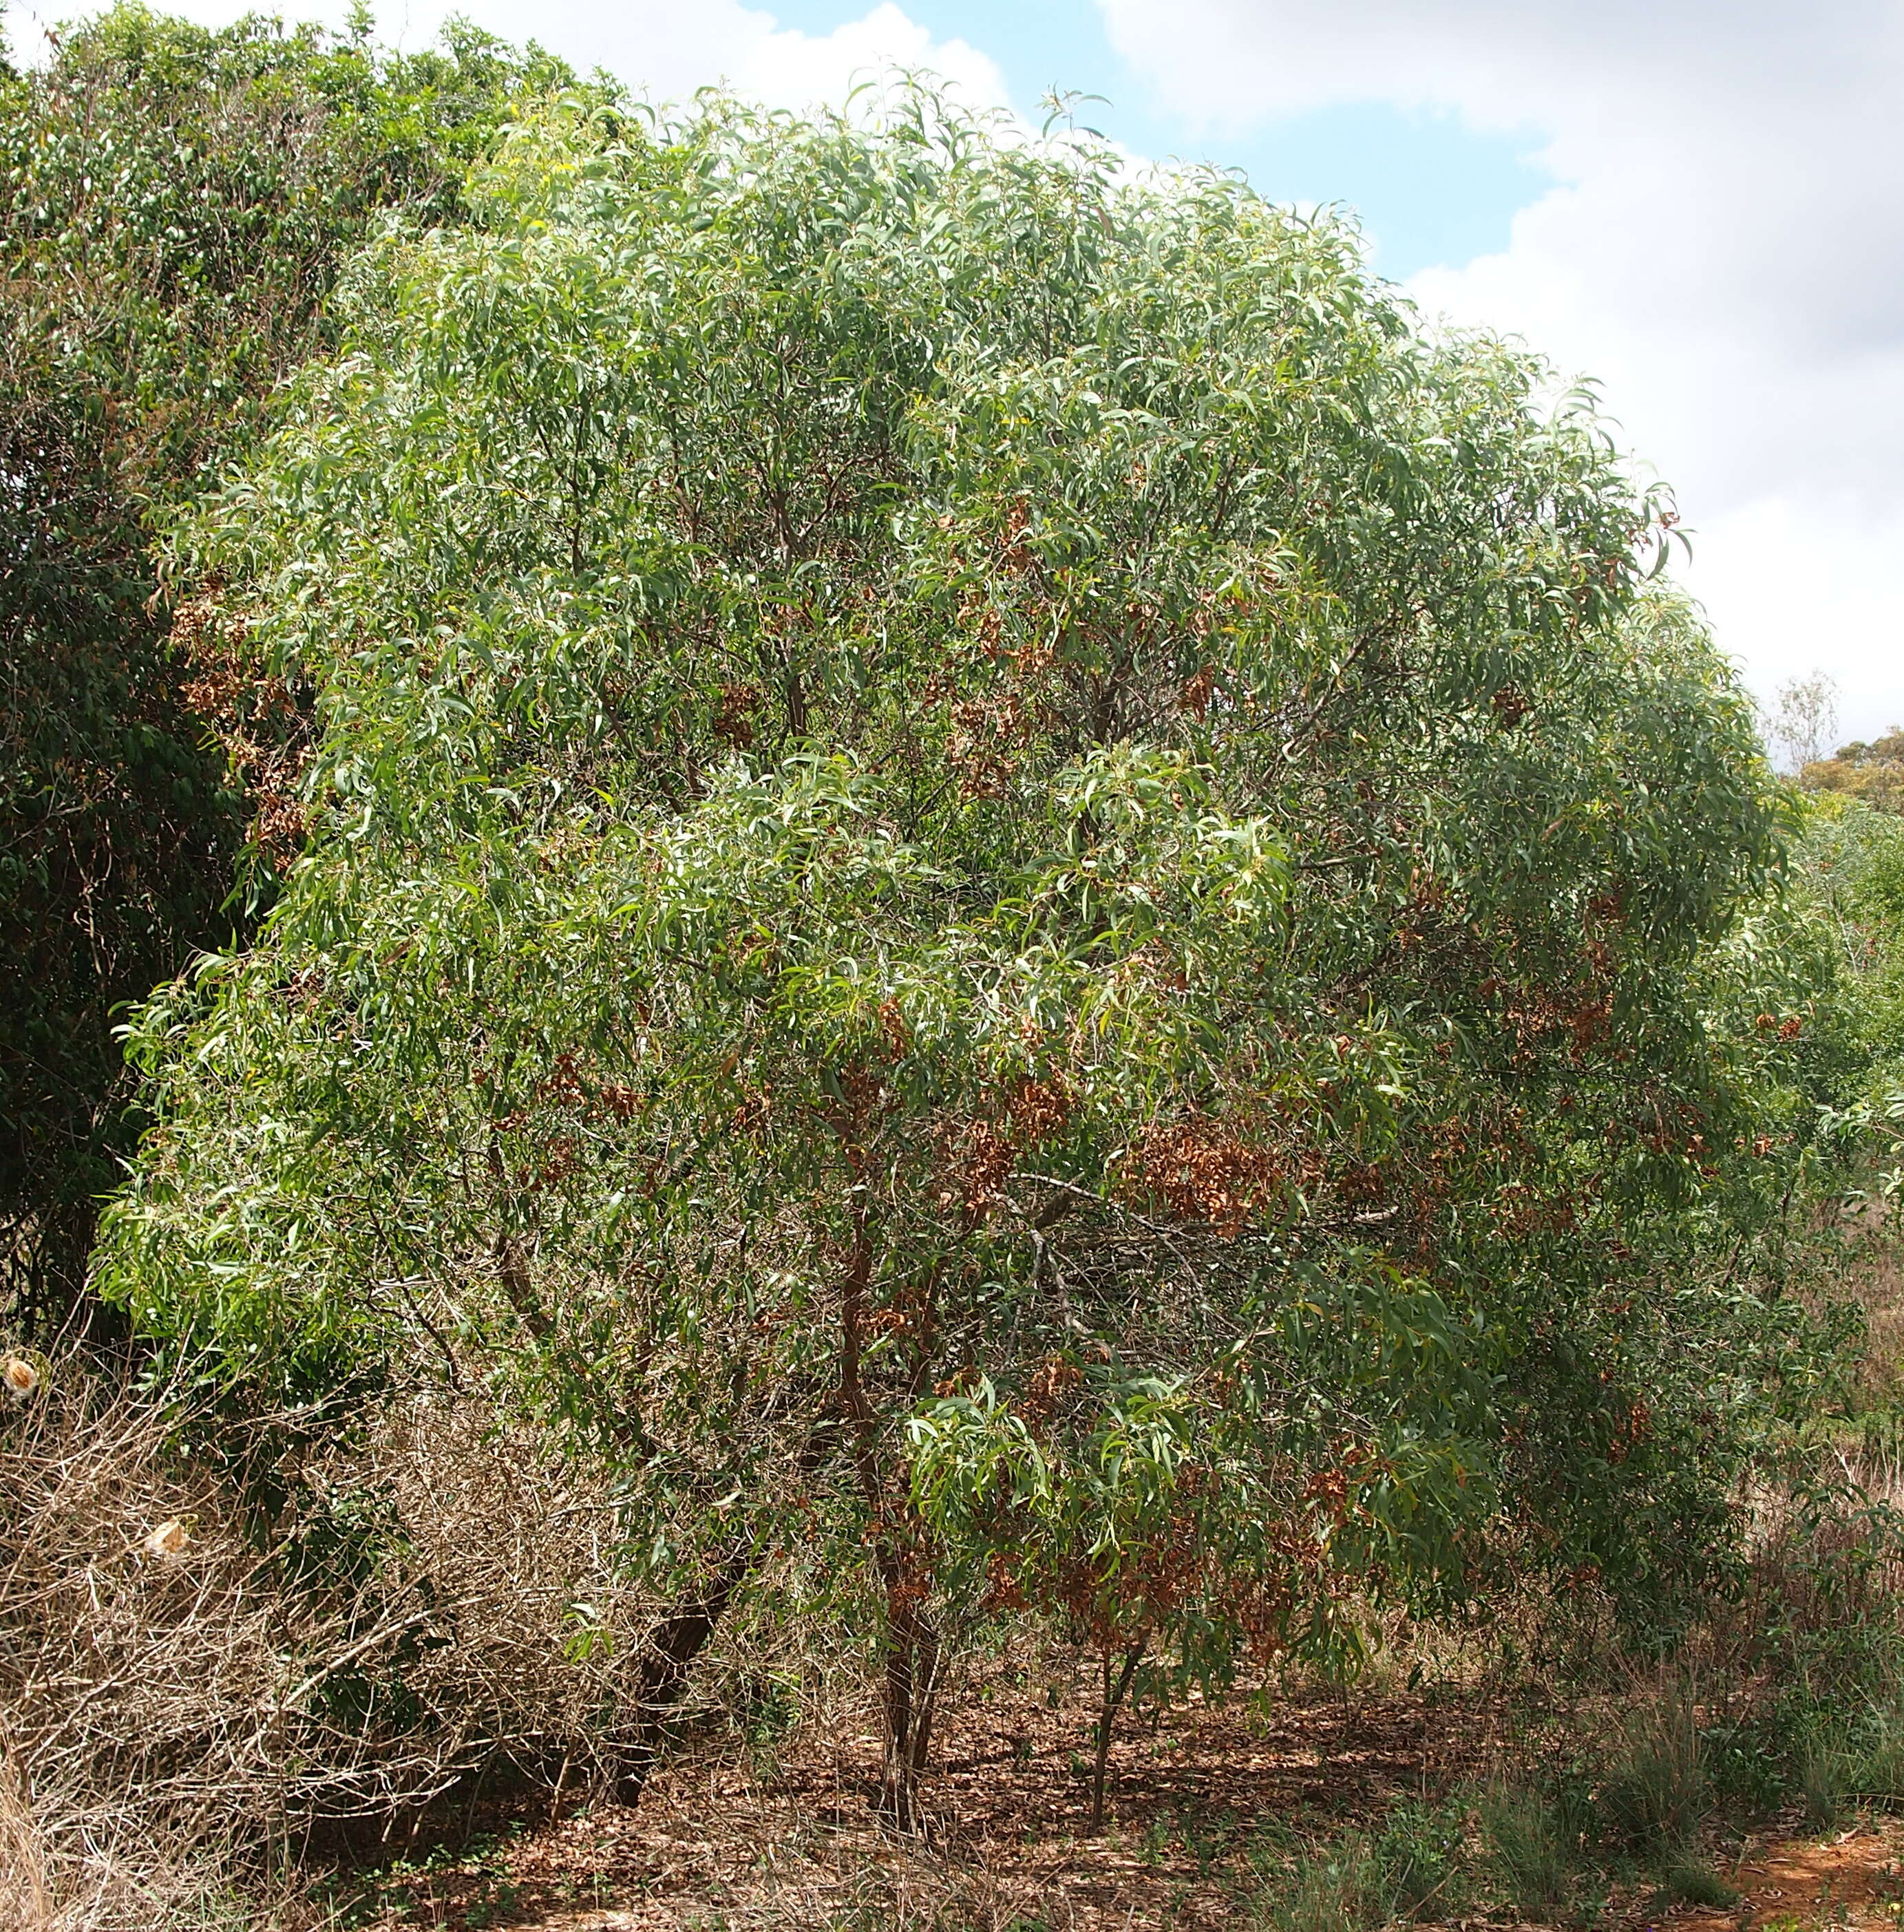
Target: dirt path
{"type": "Point", "coordinates": [1852, 1879]}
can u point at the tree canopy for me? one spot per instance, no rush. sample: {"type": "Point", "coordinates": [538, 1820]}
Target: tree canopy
{"type": "Point", "coordinates": [1004, 885]}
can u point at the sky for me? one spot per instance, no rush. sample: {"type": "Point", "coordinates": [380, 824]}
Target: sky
{"type": "Point", "coordinates": [1700, 206]}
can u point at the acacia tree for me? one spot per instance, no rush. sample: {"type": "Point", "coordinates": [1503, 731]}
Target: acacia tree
{"type": "Point", "coordinates": [1003, 886]}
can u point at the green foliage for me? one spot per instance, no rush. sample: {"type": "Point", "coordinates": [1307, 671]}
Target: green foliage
{"type": "Point", "coordinates": [1414, 1864]}
{"type": "Point", "coordinates": [1422, 1852]}
{"type": "Point", "coordinates": [1006, 890]}
{"type": "Point", "coordinates": [1828, 1656]}
{"type": "Point", "coordinates": [1533, 1850]}
{"type": "Point", "coordinates": [1338, 1888]}
{"type": "Point", "coordinates": [1687, 1880]}
{"type": "Point", "coordinates": [1848, 866]}
{"type": "Point", "coordinates": [177, 205]}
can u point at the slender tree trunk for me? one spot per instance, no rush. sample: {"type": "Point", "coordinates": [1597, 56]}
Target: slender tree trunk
{"type": "Point", "coordinates": [913, 1656]}
{"type": "Point", "coordinates": [900, 1548]}
{"type": "Point", "coordinates": [1113, 1699]}
{"type": "Point", "coordinates": [673, 1646]}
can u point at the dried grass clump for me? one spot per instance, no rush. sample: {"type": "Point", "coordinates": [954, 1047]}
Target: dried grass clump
{"type": "Point", "coordinates": [215, 1638]}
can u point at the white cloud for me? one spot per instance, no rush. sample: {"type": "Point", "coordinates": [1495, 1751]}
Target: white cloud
{"type": "Point", "coordinates": [1724, 250]}
{"type": "Point", "coordinates": [670, 50]}
{"type": "Point", "coordinates": [789, 69]}
{"type": "Point", "coordinates": [667, 50]}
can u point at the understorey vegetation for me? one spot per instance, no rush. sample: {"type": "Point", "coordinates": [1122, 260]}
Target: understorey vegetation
{"type": "Point", "coordinates": [993, 923]}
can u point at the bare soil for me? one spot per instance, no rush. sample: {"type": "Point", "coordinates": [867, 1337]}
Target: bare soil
{"type": "Point", "coordinates": [1197, 1795]}
{"type": "Point", "coordinates": [1205, 1803]}
{"type": "Point", "coordinates": [1851, 1878]}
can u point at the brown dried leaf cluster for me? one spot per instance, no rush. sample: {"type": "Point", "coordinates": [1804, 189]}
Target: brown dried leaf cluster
{"type": "Point", "coordinates": [1203, 1172]}
{"type": "Point", "coordinates": [255, 717]}
{"type": "Point", "coordinates": [981, 1154]}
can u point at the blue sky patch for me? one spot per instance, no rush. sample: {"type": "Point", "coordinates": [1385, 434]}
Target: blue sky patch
{"type": "Point", "coordinates": [1429, 191]}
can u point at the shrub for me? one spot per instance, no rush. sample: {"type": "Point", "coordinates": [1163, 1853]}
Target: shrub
{"type": "Point", "coordinates": [1340, 1887]}
{"type": "Point", "coordinates": [1534, 1848]}
{"type": "Point", "coordinates": [1653, 1794]}
{"type": "Point", "coordinates": [1421, 1851]}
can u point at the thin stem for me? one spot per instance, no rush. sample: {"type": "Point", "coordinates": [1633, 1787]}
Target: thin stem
{"type": "Point", "coordinates": [1113, 1698]}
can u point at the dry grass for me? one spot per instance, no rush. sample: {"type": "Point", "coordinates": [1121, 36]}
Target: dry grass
{"type": "Point", "coordinates": [208, 1735]}
{"type": "Point", "coordinates": [1879, 1280]}
{"type": "Point", "coordinates": [25, 1905]}
{"type": "Point", "coordinates": [397, 1628]}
